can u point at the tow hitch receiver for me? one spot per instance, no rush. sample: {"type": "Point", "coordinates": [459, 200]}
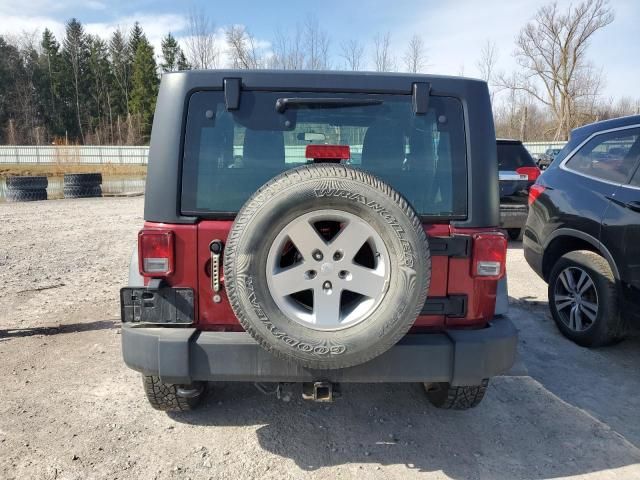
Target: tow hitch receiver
{"type": "Point", "coordinates": [320, 391]}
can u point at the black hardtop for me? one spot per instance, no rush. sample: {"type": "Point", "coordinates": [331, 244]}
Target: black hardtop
{"type": "Point", "coordinates": [314, 80]}
{"type": "Point", "coordinates": [162, 200]}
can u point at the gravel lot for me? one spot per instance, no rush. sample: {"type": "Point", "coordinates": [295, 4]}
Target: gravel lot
{"type": "Point", "coordinates": [70, 409]}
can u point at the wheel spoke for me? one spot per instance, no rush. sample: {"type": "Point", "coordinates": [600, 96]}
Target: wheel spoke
{"type": "Point", "coordinates": [290, 280]}
{"type": "Point", "coordinates": [326, 307]}
{"type": "Point", "coordinates": [568, 281]}
{"type": "Point", "coordinates": [572, 318]}
{"type": "Point", "coordinates": [590, 315]}
{"type": "Point", "coordinates": [364, 281]}
{"type": "Point", "coordinates": [586, 285]}
{"type": "Point", "coordinates": [351, 239]}
{"type": "Point", "coordinates": [583, 278]}
{"type": "Point", "coordinates": [578, 318]}
{"type": "Point", "coordinates": [593, 307]}
{"type": "Point", "coordinates": [305, 238]}
{"type": "Point", "coordinates": [562, 304]}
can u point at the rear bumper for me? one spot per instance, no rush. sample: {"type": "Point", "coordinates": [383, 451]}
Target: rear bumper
{"type": "Point", "coordinates": [183, 355]}
{"type": "Point", "coordinates": [513, 215]}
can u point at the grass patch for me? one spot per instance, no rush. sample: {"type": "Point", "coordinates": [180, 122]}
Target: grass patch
{"type": "Point", "coordinates": [59, 169]}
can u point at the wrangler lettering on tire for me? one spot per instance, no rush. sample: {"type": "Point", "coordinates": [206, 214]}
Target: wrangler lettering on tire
{"type": "Point", "coordinates": [327, 265]}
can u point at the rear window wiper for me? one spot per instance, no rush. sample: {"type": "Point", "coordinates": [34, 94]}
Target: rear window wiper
{"type": "Point", "coordinates": [283, 103]}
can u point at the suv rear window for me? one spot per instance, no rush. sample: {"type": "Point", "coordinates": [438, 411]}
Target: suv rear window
{"type": "Point", "coordinates": [228, 155]}
{"type": "Point", "coordinates": [512, 156]}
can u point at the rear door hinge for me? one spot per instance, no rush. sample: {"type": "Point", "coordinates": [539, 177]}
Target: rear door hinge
{"type": "Point", "coordinates": [450, 306]}
{"type": "Point", "coordinates": [457, 246]}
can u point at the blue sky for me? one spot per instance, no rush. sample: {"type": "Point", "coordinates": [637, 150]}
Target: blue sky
{"type": "Point", "coordinates": [453, 31]}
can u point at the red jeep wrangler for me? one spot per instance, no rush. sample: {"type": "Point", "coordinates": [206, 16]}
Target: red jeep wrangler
{"type": "Point", "coordinates": [318, 228]}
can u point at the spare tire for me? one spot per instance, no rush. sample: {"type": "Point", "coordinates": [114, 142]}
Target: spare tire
{"type": "Point", "coordinates": [76, 191]}
{"type": "Point", "coordinates": [327, 265]}
{"type": "Point", "coordinates": [26, 195]}
{"type": "Point", "coordinates": [82, 179]}
{"type": "Point", "coordinates": [27, 183]}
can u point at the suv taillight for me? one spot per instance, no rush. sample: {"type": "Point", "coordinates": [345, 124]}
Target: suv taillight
{"type": "Point", "coordinates": [155, 252]}
{"type": "Point", "coordinates": [532, 173]}
{"type": "Point", "coordinates": [534, 193]}
{"type": "Point", "coordinates": [489, 255]}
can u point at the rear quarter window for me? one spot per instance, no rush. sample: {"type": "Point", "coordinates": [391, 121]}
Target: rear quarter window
{"type": "Point", "coordinates": [228, 155]}
{"type": "Point", "coordinates": [611, 156]}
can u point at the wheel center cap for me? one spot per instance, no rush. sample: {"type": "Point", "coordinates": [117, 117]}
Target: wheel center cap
{"type": "Point", "coordinates": [326, 268]}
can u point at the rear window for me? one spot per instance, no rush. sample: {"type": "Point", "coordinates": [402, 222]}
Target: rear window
{"type": "Point", "coordinates": [228, 155]}
{"type": "Point", "coordinates": [512, 156]}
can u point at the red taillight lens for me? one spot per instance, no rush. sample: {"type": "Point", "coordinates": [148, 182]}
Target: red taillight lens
{"type": "Point", "coordinates": [534, 192]}
{"type": "Point", "coordinates": [489, 255]}
{"type": "Point", "coordinates": [333, 152]}
{"type": "Point", "coordinates": [155, 252]}
{"type": "Point", "coordinates": [532, 173]}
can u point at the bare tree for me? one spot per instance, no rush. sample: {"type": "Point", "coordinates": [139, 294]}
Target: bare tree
{"type": "Point", "coordinates": [382, 57]}
{"type": "Point", "coordinates": [288, 52]}
{"type": "Point", "coordinates": [316, 44]}
{"type": "Point", "coordinates": [202, 48]}
{"type": "Point", "coordinates": [352, 51]}
{"type": "Point", "coordinates": [551, 50]}
{"type": "Point", "coordinates": [415, 57]}
{"type": "Point", "coordinates": [241, 48]}
{"type": "Point", "coordinates": [487, 62]}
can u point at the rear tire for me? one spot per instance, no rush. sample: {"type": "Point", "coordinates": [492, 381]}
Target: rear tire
{"type": "Point", "coordinates": [443, 395]}
{"type": "Point", "coordinates": [515, 234]}
{"type": "Point", "coordinates": [164, 396]}
{"type": "Point", "coordinates": [604, 327]}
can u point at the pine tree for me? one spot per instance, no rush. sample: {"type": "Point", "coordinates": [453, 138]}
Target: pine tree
{"type": "Point", "coordinates": [174, 58]}
{"type": "Point", "coordinates": [144, 85]}
{"type": "Point", "coordinates": [101, 88]}
{"type": "Point", "coordinates": [50, 86]}
{"type": "Point", "coordinates": [121, 62]}
{"type": "Point", "coordinates": [75, 54]}
{"type": "Point", "coordinates": [183, 64]}
{"type": "Point", "coordinates": [135, 37]}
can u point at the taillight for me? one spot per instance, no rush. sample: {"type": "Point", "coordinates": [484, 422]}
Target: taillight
{"type": "Point", "coordinates": [534, 192]}
{"type": "Point", "coordinates": [329, 152]}
{"type": "Point", "coordinates": [532, 173]}
{"type": "Point", "coordinates": [489, 255]}
{"type": "Point", "coordinates": [155, 252]}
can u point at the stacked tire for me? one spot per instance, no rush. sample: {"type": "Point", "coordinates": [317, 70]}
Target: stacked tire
{"type": "Point", "coordinates": [82, 185]}
{"type": "Point", "coordinates": [26, 189]}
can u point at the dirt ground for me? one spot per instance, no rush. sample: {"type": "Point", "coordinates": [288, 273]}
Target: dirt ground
{"type": "Point", "coordinates": [70, 409]}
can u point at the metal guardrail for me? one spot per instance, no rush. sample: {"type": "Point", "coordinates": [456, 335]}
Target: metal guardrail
{"type": "Point", "coordinates": [48, 154]}
{"type": "Point", "coordinates": [541, 147]}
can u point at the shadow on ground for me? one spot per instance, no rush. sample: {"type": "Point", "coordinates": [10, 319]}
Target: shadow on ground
{"type": "Point", "coordinates": [9, 333]}
{"type": "Point", "coordinates": [521, 431]}
{"type": "Point", "coordinates": [571, 416]}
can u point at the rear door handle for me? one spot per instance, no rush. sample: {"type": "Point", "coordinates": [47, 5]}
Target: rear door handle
{"type": "Point", "coordinates": [635, 206]}
{"type": "Point", "coordinates": [632, 205]}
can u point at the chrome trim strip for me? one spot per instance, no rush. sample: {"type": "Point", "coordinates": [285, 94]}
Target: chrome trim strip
{"type": "Point", "coordinates": [511, 175]}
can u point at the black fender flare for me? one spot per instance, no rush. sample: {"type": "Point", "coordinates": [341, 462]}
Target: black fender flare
{"type": "Point", "coordinates": [600, 248]}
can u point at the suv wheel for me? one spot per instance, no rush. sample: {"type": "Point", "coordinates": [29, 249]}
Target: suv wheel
{"type": "Point", "coordinates": [583, 299]}
{"type": "Point", "coordinates": [443, 395]}
{"type": "Point", "coordinates": [172, 398]}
